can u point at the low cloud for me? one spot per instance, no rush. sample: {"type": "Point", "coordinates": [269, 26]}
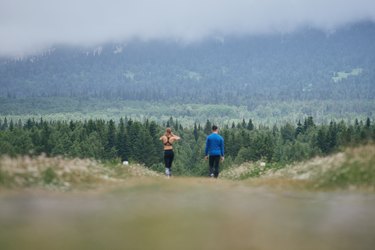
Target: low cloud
{"type": "Point", "coordinates": [30, 26]}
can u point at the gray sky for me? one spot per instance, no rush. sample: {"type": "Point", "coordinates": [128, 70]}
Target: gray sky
{"type": "Point", "coordinates": [28, 26]}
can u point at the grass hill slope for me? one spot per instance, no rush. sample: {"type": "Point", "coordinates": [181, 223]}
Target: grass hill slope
{"type": "Point", "coordinates": [353, 168]}
{"type": "Point", "coordinates": [64, 174]}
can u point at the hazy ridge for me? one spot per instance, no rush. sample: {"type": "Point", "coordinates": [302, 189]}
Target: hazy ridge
{"type": "Point", "coordinates": [243, 70]}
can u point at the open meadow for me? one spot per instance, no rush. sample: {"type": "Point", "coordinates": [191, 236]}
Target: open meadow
{"type": "Point", "coordinates": [130, 207]}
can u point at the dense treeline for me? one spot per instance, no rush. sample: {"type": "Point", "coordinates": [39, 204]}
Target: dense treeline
{"type": "Point", "coordinates": [270, 113]}
{"type": "Point", "coordinates": [139, 141]}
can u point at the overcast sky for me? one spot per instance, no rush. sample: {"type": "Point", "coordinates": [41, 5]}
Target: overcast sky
{"type": "Point", "coordinates": [27, 26]}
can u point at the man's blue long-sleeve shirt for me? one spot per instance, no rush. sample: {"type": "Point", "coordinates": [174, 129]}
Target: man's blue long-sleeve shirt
{"type": "Point", "coordinates": [214, 145]}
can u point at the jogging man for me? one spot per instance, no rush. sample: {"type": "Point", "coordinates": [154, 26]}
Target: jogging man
{"type": "Point", "coordinates": [214, 151]}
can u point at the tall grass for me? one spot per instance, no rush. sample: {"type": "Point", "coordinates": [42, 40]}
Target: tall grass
{"type": "Point", "coordinates": [351, 169]}
{"type": "Point", "coordinates": [356, 170]}
{"type": "Point", "coordinates": [63, 173]}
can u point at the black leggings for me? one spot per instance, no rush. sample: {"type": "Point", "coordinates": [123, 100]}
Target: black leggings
{"type": "Point", "coordinates": [213, 161]}
{"type": "Point", "coordinates": [168, 158]}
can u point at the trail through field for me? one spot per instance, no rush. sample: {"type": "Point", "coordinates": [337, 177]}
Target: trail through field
{"type": "Point", "coordinates": [186, 213]}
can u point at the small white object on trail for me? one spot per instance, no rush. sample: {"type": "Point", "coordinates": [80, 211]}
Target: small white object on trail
{"type": "Point", "coordinates": [125, 163]}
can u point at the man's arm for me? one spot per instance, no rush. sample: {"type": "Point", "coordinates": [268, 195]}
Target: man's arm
{"type": "Point", "coordinates": [222, 149]}
{"type": "Point", "coordinates": [206, 149]}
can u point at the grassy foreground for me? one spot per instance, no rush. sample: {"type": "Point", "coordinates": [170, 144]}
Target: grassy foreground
{"type": "Point", "coordinates": [64, 174]}
{"type": "Point", "coordinates": [352, 169]}
{"type": "Point", "coordinates": [129, 207]}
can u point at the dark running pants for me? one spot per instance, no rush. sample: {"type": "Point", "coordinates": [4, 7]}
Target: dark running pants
{"type": "Point", "coordinates": [213, 162]}
{"type": "Point", "coordinates": [168, 159]}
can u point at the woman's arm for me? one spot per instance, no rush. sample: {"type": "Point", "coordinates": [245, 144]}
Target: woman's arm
{"type": "Point", "coordinates": [176, 137]}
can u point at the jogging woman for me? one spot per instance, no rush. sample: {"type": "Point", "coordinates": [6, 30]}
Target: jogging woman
{"type": "Point", "coordinates": [168, 139]}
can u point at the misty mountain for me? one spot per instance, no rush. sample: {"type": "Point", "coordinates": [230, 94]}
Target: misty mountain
{"type": "Point", "coordinates": [240, 70]}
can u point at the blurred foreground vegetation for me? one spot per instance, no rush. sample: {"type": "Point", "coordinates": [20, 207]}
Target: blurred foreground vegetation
{"type": "Point", "coordinates": [186, 213]}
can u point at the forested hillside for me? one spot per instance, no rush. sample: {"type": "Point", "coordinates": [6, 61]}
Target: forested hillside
{"type": "Point", "coordinates": [249, 71]}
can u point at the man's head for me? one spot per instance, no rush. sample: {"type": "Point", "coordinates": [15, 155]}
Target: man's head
{"type": "Point", "coordinates": [215, 128]}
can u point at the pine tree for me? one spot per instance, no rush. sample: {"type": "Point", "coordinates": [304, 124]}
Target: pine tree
{"type": "Point", "coordinates": [357, 132]}
{"type": "Point", "coordinates": [195, 132]}
{"type": "Point", "coordinates": [308, 123]}
{"type": "Point", "coordinates": [111, 140]}
{"type": "Point", "coordinates": [322, 140]}
{"type": "Point", "coordinates": [153, 131]}
{"type": "Point", "coordinates": [133, 130]}
{"type": "Point", "coordinates": [229, 143]}
{"type": "Point", "coordinates": [275, 130]}
{"type": "Point", "coordinates": [176, 125]}
{"type": "Point", "coordinates": [4, 126]}
{"type": "Point", "coordinates": [243, 123]}
{"type": "Point", "coordinates": [207, 128]}
{"type": "Point", "coordinates": [20, 141]}
{"type": "Point", "coordinates": [92, 147]}
{"type": "Point", "coordinates": [144, 151]}
{"type": "Point", "coordinates": [299, 128]}
{"type": "Point", "coordinates": [341, 133]}
{"type": "Point", "coordinates": [332, 136]}
{"type": "Point", "coordinates": [236, 144]}
{"type": "Point", "coordinates": [11, 125]}
{"type": "Point", "coordinates": [91, 126]}
{"type": "Point", "coordinates": [368, 123]}
{"type": "Point", "coordinates": [122, 142]}
{"type": "Point", "coordinates": [72, 125]}
{"type": "Point", "coordinates": [29, 124]}
{"type": "Point", "coordinates": [19, 123]}
{"type": "Point", "coordinates": [44, 138]}
{"type": "Point", "coordinates": [287, 132]}
{"type": "Point", "coordinates": [250, 125]}
{"type": "Point", "coordinates": [61, 141]}
{"type": "Point", "coordinates": [244, 139]}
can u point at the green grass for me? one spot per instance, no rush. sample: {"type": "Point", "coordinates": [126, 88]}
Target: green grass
{"type": "Point", "coordinates": [64, 174]}
{"type": "Point", "coordinates": [357, 170]}
{"type": "Point", "coordinates": [354, 168]}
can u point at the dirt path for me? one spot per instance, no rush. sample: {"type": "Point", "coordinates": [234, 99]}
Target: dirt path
{"type": "Point", "coordinates": [184, 213]}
